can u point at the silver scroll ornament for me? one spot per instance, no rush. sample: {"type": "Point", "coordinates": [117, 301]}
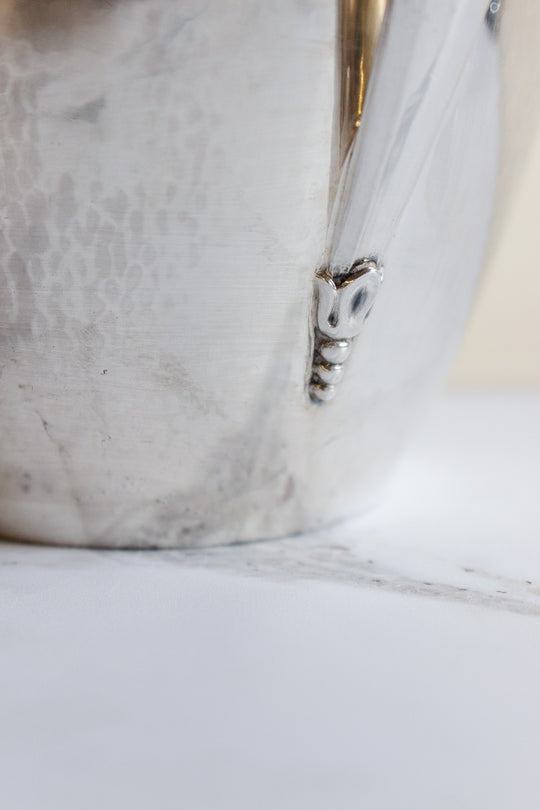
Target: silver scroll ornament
{"type": "Point", "coordinates": [342, 305]}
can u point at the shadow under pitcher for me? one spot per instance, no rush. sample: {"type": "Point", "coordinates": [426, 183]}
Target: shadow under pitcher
{"type": "Point", "coordinates": [202, 202]}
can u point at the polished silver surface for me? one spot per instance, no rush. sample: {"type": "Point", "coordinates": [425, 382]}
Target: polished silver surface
{"type": "Point", "coordinates": [168, 172]}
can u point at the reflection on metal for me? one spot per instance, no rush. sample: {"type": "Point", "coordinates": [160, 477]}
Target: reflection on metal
{"type": "Point", "coordinates": [343, 304]}
{"type": "Point", "coordinates": [359, 28]}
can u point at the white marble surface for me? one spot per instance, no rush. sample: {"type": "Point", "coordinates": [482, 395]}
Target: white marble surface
{"type": "Point", "coordinates": [388, 664]}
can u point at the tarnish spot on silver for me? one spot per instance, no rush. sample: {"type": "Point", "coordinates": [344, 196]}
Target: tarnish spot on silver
{"type": "Point", "coordinates": [88, 112]}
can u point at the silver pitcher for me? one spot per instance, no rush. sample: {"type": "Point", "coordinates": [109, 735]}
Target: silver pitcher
{"type": "Point", "coordinates": [202, 201]}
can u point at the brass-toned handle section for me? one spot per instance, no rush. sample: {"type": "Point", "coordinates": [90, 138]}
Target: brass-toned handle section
{"type": "Point", "coordinates": [343, 300]}
{"type": "Point", "coordinates": [359, 27]}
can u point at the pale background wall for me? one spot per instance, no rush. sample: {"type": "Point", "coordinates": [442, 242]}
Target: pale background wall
{"type": "Point", "coordinates": [501, 346]}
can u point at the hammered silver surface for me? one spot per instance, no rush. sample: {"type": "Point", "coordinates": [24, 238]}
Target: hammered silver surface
{"type": "Point", "coordinates": [165, 183]}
